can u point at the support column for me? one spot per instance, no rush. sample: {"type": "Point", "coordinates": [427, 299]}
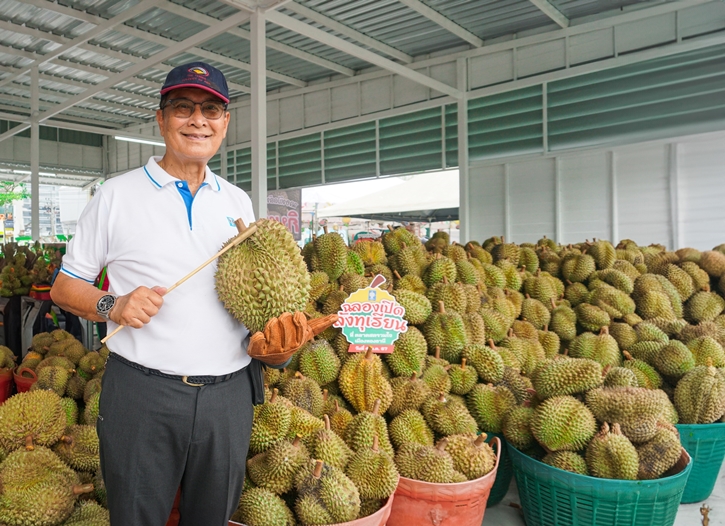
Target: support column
{"type": "Point", "coordinates": [223, 157]}
{"type": "Point", "coordinates": [34, 155]}
{"type": "Point", "coordinates": [463, 181]}
{"type": "Point", "coordinates": [259, 114]}
{"type": "Point", "coordinates": [674, 196]}
{"type": "Point", "coordinates": [612, 163]}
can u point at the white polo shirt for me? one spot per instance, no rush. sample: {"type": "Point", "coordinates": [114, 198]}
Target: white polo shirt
{"type": "Point", "coordinates": [149, 231]}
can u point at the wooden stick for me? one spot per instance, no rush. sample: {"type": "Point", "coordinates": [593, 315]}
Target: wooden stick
{"type": "Point", "coordinates": [244, 233]}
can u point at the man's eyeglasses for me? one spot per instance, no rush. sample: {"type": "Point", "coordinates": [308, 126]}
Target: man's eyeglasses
{"type": "Point", "coordinates": [184, 108]}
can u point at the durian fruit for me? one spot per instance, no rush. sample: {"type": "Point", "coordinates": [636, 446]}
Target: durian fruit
{"type": "Point", "coordinates": [591, 317]}
{"type": "Point", "coordinates": [362, 382]}
{"type": "Point", "coordinates": [636, 409]}
{"type": "Point", "coordinates": [37, 488]}
{"type": "Point", "coordinates": [265, 275]}
{"type": "Point", "coordinates": [319, 282]}
{"type": "Point", "coordinates": [275, 469]}
{"type": "Point", "coordinates": [624, 334]}
{"type": "Point", "coordinates": [41, 342]}
{"type": "Point", "coordinates": [712, 262]}
{"type": "Point", "coordinates": [447, 416]}
{"type": "Point", "coordinates": [707, 348]}
{"type": "Point", "coordinates": [563, 321]}
{"type": "Point", "coordinates": [327, 445]}
{"type": "Point", "coordinates": [563, 423]}
{"type": "Point", "coordinates": [437, 378]}
{"type": "Point", "coordinates": [471, 455]}
{"type": "Point", "coordinates": [700, 395]}
{"type": "Point", "coordinates": [427, 463]}
{"type": "Point", "coordinates": [566, 376]}
{"type": "Point", "coordinates": [70, 407]}
{"type": "Point", "coordinates": [445, 330]}
{"type": "Point", "coordinates": [53, 378]}
{"type": "Point", "coordinates": [417, 306]}
{"type": "Point", "coordinates": [304, 393]}
{"type": "Point", "coordinates": [463, 377]}
{"type": "Point", "coordinates": [90, 411]}
{"type": "Point", "coordinates": [568, 461]}
{"type": "Point", "coordinates": [673, 360]}
{"type": "Point", "coordinates": [612, 300]}
{"type": "Point", "coordinates": [79, 448]}
{"type": "Point", "coordinates": [486, 362]}
{"type": "Point", "coordinates": [603, 253]}
{"type": "Point", "coordinates": [488, 405]}
{"type": "Point", "coordinates": [550, 342]}
{"type": "Point", "coordinates": [611, 455]}
{"type": "Point", "coordinates": [331, 254]}
{"type": "Point", "coordinates": [620, 377]}
{"type": "Point", "coordinates": [577, 268]}
{"type": "Point", "coordinates": [439, 269]}
{"type": "Point", "coordinates": [410, 427]}
{"type": "Point", "coordinates": [91, 364]}
{"type": "Point", "coordinates": [412, 283]}
{"type": "Point", "coordinates": [535, 312]}
{"type": "Point", "coordinates": [325, 495]}
{"type": "Point", "coordinates": [318, 361]}
{"type": "Point", "coordinates": [35, 414]}
{"type": "Point", "coordinates": [659, 454]}
{"type": "Point", "coordinates": [88, 513]}
{"type": "Point", "coordinates": [408, 393]}
{"type": "Point", "coordinates": [261, 507]}
{"type": "Point", "coordinates": [576, 293]}
{"type": "Point", "coordinates": [303, 424]}
{"type": "Point", "coordinates": [704, 306]}
{"type": "Point", "coordinates": [373, 472]}
{"type": "Point", "coordinates": [370, 252]}
{"type": "Point", "coordinates": [366, 425]}
{"type": "Point", "coordinates": [646, 375]}
{"type": "Point", "coordinates": [270, 425]}
{"type": "Point", "coordinates": [601, 348]}
{"type": "Point", "coordinates": [340, 418]}
{"type": "Point", "coordinates": [409, 353]}
{"type": "Point", "coordinates": [517, 426]}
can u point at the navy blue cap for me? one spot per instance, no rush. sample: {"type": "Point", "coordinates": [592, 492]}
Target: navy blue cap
{"type": "Point", "coordinates": [197, 75]}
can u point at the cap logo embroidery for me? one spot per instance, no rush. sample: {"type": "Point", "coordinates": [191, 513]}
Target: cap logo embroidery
{"type": "Point", "coordinates": [199, 71]}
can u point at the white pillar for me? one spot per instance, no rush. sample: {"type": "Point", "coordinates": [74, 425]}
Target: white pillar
{"type": "Point", "coordinates": [34, 155]}
{"type": "Point", "coordinates": [223, 168]}
{"type": "Point", "coordinates": [463, 183]}
{"type": "Point", "coordinates": [674, 195]}
{"type": "Point", "coordinates": [259, 114]}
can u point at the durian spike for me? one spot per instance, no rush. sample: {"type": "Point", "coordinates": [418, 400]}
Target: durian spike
{"type": "Point", "coordinates": [317, 473]}
{"type": "Point", "coordinates": [396, 274]}
{"type": "Point", "coordinates": [272, 398]}
{"type": "Point", "coordinates": [80, 489]}
{"type": "Point", "coordinates": [376, 443]}
{"type": "Point", "coordinates": [376, 406]}
{"type": "Point", "coordinates": [327, 422]}
{"type": "Point", "coordinates": [441, 307]}
{"type": "Point", "coordinates": [368, 353]}
{"type": "Point", "coordinates": [463, 363]}
{"type": "Point", "coordinates": [441, 445]}
{"type": "Point", "coordinates": [29, 443]}
{"type": "Point", "coordinates": [627, 356]}
{"type": "Point", "coordinates": [481, 439]}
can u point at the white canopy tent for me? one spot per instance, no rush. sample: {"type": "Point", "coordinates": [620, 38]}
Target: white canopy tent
{"type": "Point", "coordinates": [430, 196]}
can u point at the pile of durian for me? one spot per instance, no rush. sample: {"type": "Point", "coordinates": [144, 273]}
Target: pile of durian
{"type": "Point", "coordinates": [50, 465]}
{"type": "Point", "coordinates": [24, 266]}
{"type": "Point", "coordinates": [583, 356]}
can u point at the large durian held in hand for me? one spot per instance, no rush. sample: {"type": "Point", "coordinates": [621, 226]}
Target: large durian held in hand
{"type": "Point", "coordinates": [263, 276]}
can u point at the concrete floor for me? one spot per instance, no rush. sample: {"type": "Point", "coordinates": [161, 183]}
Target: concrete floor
{"type": "Point", "coordinates": [689, 514]}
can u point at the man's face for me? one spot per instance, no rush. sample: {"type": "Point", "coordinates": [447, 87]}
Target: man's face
{"type": "Point", "coordinates": [196, 137]}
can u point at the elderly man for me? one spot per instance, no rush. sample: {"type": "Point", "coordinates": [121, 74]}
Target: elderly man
{"type": "Point", "coordinates": [176, 405]}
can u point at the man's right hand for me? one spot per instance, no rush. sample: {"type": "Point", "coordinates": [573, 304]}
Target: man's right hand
{"type": "Point", "coordinates": [136, 308]}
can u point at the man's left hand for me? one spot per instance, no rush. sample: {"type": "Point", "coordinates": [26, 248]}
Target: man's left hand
{"type": "Point", "coordinates": [286, 334]}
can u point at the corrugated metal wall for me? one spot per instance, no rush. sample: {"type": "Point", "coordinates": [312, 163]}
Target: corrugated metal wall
{"type": "Point", "coordinates": [669, 193]}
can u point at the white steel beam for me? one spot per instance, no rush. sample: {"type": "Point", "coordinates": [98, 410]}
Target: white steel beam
{"type": "Point", "coordinates": [356, 51]}
{"type": "Point", "coordinates": [271, 44]}
{"type": "Point", "coordinates": [552, 12]}
{"type": "Point", "coordinates": [443, 21]}
{"type": "Point", "coordinates": [259, 114]}
{"type": "Point", "coordinates": [34, 154]}
{"type": "Point", "coordinates": [101, 28]}
{"type": "Point", "coordinates": [348, 31]}
{"type": "Point", "coordinates": [167, 53]}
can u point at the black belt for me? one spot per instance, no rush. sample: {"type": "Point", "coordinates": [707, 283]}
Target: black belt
{"type": "Point", "coordinates": [195, 381]}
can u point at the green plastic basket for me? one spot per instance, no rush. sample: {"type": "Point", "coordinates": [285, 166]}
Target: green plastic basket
{"type": "Point", "coordinates": [706, 445]}
{"type": "Point", "coordinates": [503, 475]}
{"type": "Point", "coordinates": [553, 497]}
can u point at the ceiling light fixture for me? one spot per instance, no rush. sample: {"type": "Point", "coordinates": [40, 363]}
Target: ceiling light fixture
{"type": "Point", "coordinates": [140, 141]}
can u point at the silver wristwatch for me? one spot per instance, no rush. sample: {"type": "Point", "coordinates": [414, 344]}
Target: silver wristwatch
{"type": "Point", "coordinates": [105, 304]}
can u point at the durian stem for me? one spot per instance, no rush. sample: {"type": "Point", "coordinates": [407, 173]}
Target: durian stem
{"type": "Point", "coordinates": [80, 489]}
{"type": "Point", "coordinates": [376, 406]}
{"type": "Point", "coordinates": [481, 439]}
{"type": "Point", "coordinates": [325, 395]}
{"type": "Point", "coordinates": [441, 307]}
{"type": "Point", "coordinates": [604, 330]}
{"type": "Point", "coordinates": [376, 443]}
{"type": "Point", "coordinates": [438, 352]}
{"type": "Point", "coordinates": [441, 397]}
{"type": "Point", "coordinates": [627, 356]}
{"type": "Point", "coordinates": [463, 363]}
{"type": "Point", "coordinates": [275, 392]}
{"type": "Point", "coordinates": [441, 445]}
{"type": "Point", "coordinates": [337, 406]}
{"type": "Point", "coordinates": [413, 376]}
{"type": "Point", "coordinates": [325, 228]}
{"type": "Point", "coordinates": [66, 439]}
{"type": "Point", "coordinates": [317, 473]}
{"type": "Point", "coordinates": [369, 353]}
{"type": "Point", "coordinates": [396, 274]}
{"type": "Point", "coordinates": [296, 441]}
{"type": "Point", "coordinates": [327, 421]}
{"type": "Point", "coordinates": [491, 344]}
{"type": "Point", "coordinates": [29, 443]}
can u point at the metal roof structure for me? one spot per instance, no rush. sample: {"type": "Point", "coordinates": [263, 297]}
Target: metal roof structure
{"type": "Point", "coordinates": [101, 62]}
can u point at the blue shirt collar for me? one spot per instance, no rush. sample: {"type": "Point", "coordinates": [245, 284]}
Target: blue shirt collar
{"type": "Point", "coordinates": [159, 177]}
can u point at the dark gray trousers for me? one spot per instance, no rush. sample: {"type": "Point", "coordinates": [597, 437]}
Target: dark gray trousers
{"type": "Point", "coordinates": [158, 434]}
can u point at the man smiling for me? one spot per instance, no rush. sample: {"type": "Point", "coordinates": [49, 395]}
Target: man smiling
{"type": "Point", "coordinates": [176, 404]}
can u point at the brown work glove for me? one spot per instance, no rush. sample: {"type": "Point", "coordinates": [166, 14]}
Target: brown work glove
{"type": "Point", "coordinates": [284, 335]}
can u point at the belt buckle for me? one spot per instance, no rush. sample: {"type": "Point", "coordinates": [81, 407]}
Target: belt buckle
{"type": "Point", "coordinates": [185, 379]}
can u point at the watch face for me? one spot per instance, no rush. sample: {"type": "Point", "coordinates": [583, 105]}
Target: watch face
{"type": "Point", "coordinates": [106, 303]}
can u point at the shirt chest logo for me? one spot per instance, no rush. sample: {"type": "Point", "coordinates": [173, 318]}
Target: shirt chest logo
{"type": "Point", "coordinates": [231, 221]}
